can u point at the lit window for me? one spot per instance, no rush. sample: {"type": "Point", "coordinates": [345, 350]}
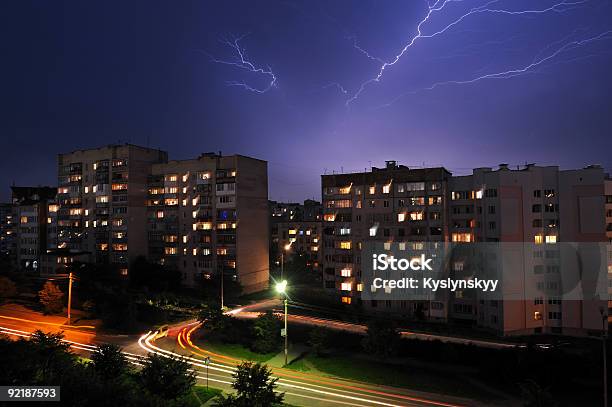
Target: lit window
{"type": "Point", "coordinates": [402, 246]}
{"type": "Point", "coordinates": [159, 214]}
{"type": "Point", "coordinates": [416, 215]}
{"type": "Point", "coordinates": [372, 190]}
{"type": "Point", "coordinates": [387, 245]}
{"type": "Point", "coordinates": [462, 237]}
{"type": "Point", "coordinates": [479, 194]}
{"type": "Point", "coordinates": [386, 188]}
{"type": "Point", "coordinates": [184, 238]}
{"type": "Point", "coordinates": [53, 208]}
{"type": "Point", "coordinates": [221, 252]}
{"type": "Point", "coordinates": [86, 189]}
{"type": "Point", "coordinates": [346, 300]}
{"type": "Point", "coordinates": [360, 287]}
{"type": "Point", "coordinates": [119, 187]}
{"type": "Point", "coordinates": [171, 177]}
{"type": "Point", "coordinates": [329, 217]}
{"type": "Point", "coordinates": [345, 272]}
{"type": "Point", "coordinates": [194, 252]}
{"type": "Point", "coordinates": [346, 286]}
{"type": "Point", "coordinates": [401, 217]}
{"type": "Point", "coordinates": [538, 239]}
{"type": "Point", "coordinates": [315, 248]}
{"type": "Point", "coordinates": [345, 245]}
{"type": "Point", "coordinates": [23, 219]}
{"type": "Point", "coordinates": [373, 230]}
{"type": "Point", "coordinates": [185, 177]}
{"type": "Point", "coordinates": [345, 190]}
{"type": "Point", "coordinates": [119, 247]}
{"type": "Point", "coordinates": [170, 250]}
{"type": "Point", "coordinates": [292, 231]}
{"type": "Point", "coordinates": [551, 239]}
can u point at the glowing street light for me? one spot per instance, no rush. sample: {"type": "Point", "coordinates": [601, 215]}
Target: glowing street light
{"type": "Point", "coordinates": [281, 288]}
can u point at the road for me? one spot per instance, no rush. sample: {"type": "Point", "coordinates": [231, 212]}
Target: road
{"type": "Point", "coordinates": [254, 310]}
{"type": "Point", "coordinates": [300, 388]}
{"type": "Point", "coordinates": [305, 389]}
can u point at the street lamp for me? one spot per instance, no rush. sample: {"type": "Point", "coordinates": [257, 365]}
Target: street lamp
{"type": "Point", "coordinates": [286, 248]}
{"type": "Point", "coordinates": [281, 288]}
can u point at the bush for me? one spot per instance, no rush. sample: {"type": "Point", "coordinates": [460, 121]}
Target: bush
{"type": "Point", "coordinates": [51, 298]}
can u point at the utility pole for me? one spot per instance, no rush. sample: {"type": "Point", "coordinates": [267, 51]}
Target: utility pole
{"type": "Point", "coordinates": [221, 288]}
{"type": "Point", "coordinates": [70, 278]}
{"type": "Point", "coordinates": [286, 336]}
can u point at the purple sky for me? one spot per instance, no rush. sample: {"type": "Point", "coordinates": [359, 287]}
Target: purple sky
{"type": "Point", "coordinates": [168, 75]}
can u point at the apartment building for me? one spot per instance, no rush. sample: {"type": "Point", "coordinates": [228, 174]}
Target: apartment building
{"type": "Point", "coordinates": [394, 203]}
{"type": "Point", "coordinates": [535, 214]}
{"type": "Point", "coordinates": [296, 230]}
{"type": "Point", "coordinates": [538, 208]}
{"type": "Point", "coordinates": [101, 197]}
{"type": "Point", "coordinates": [7, 231]}
{"type": "Point", "coordinates": [208, 216]}
{"type": "Point", "coordinates": [34, 210]}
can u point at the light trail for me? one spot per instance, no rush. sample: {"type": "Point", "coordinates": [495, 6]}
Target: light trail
{"type": "Point", "coordinates": [324, 384]}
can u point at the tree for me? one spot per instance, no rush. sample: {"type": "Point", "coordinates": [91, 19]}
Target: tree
{"type": "Point", "coordinates": [381, 338]}
{"type": "Point", "coordinates": [51, 297]}
{"type": "Point", "coordinates": [267, 333]}
{"type": "Point", "coordinates": [254, 388]}
{"type": "Point", "coordinates": [109, 362]}
{"type": "Point", "coordinates": [212, 317]}
{"type": "Point", "coordinates": [7, 288]}
{"type": "Point", "coordinates": [536, 396]}
{"type": "Point", "coordinates": [169, 378]}
{"type": "Point", "coordinates": [319, 340]}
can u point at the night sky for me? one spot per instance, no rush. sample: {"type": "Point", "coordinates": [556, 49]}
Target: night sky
{"type": "Point", "coordinates": [167, 74]}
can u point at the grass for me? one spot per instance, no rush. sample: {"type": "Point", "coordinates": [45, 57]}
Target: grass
{"type": "Point", "coordinates": [201, 395]}
{"type": "Point", "coordinates": [299, 365]}
{"type": "Point", "coordinates": [377, 372]}
{"type": "Point", "coordinates": [237, 351]}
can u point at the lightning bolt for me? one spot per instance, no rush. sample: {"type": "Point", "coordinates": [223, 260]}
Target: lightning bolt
{"type": "Point", "coordinates": [538, 62]}
{"type": "Point", "coordinates": [439, 5]}
{"type": "Point", "coordinates": [364, 52]}
{"type": "Point", "coordinates": [243, 63]}
{"type": "Point", "coordinates": [337, 86]}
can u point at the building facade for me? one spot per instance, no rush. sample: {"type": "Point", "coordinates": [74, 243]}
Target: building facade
{"type": "Point", "coordinates": [101, 197]}
{"type": "Point", "coordinates": [7, 231]}
{"type": "Point", "coordinates": [394, 203]}
{"type": "Point", "coordinates": [34, 210]}
{"type": "Point", "coordinates": [296, 230]}
{"type": "Point", "coordinates": [209, 216]}
{"type": "Point", "coordinates": [537, 206]}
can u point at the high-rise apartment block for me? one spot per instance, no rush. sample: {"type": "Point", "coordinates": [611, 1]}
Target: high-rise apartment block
{"type": "Point", "coordinates": [101, 195]}
{"type": "Point", "coordinates": [202, 216]}
{"type": "Point", "coordinates": [210, 216]}
{"type": "Point", "coordinates": [34, 212]}
{"type": "Point", "coordinates": [541, 206]}
{"type": "Point", "coordinates": [7, 231]}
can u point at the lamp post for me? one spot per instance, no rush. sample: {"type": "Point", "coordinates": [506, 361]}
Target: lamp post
{"type": "Point", "coordinates": [70, 278]}
{"type": "Point", "coordinates": [604, 318]}
{"type": "Point", "coordinates": [286, 248]}
{"type": "Point", "coordinates": [206, 362]}
{"type": "Point", "coordinates": [282, 289]}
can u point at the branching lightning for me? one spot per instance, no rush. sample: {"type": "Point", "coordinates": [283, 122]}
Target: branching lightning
{"type": "Point", "coordinates": [532, 67]}
{"type": "Point", "coordinates": [438, 6]}
{"type": "Point", "coordinates": [242, 62]}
